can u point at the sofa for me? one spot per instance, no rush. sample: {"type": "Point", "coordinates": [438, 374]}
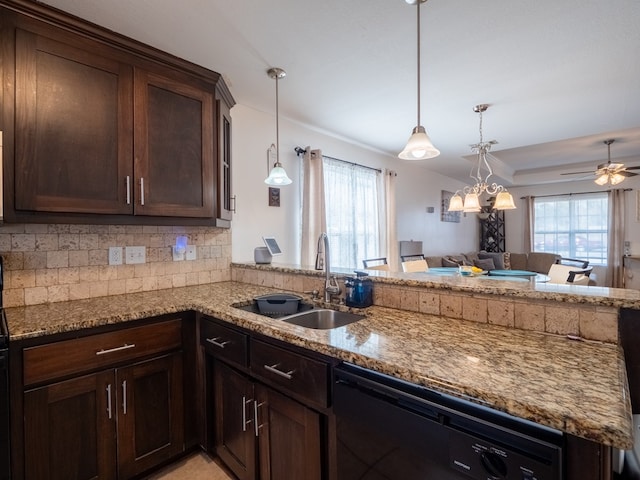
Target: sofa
{"type": "Point", "coordinates": [539, 262]}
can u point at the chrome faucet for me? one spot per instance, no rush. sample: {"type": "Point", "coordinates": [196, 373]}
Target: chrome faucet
{"type": "Point", "coordinates": [331, 287]}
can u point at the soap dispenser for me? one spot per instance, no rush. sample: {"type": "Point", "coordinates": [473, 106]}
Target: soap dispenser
{"type": "Point", "coordinates": [359, 290]}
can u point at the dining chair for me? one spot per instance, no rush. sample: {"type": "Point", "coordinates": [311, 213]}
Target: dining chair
{"type": "Point", "coordinates": [407, 258]}
{"type": "Point", "coordinates": [573, 262]}
{"type": "Point", "coordinates": [376, 264]}
{"type": "Point", "coordinates": [415, 266]}
{"type": "Point", "coordinates": [568, 274]}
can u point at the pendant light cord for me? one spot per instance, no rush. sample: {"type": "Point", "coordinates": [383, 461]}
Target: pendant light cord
{"type": "Point", "coordinates": [418, 22]}
{"type": "Point", "coordinates": [277, 126]}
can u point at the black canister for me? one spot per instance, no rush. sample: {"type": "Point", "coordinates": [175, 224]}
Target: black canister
{"type": "Point", "coordinates": [359, 290]}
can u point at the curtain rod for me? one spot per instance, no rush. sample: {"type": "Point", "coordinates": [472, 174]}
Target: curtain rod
{"type": "Point", "coordinates": [569, 194]}
{"type": "Point", "coordinates": [301, 151]}
{"type": "Point", "coordinates": [352, 163]}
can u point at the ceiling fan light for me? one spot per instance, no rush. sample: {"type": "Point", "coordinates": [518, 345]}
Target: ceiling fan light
{"type": "Point", "coordinates": [504, 201]}
{"type": "Point", "coordinates": [602, 179]}
{"type": "Point", "coordinates": [419, 146]}
{"type": "Point", "coordinates": [616, 178]}
{"type": "Point", "coordinates": [455, 204]}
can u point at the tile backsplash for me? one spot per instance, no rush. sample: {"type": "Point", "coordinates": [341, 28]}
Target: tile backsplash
{"type": "Point", "coordinates": [60, 262]}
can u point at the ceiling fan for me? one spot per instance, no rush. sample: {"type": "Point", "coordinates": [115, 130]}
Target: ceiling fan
{"type": "Point", "coordinates": [613, 173]}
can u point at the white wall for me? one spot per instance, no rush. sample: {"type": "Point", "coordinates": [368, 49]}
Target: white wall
{"type": "Point", "coordinates": [417, 188]}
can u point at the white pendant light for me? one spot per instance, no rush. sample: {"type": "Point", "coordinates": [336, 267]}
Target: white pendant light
{"type": "Point", "coordinates": [419, 146]}
{"type": "Point", "coordinates": [277, 176]}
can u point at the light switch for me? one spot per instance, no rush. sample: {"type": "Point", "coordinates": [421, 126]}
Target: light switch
{"type": "Point", "coordinates": [133, 255]}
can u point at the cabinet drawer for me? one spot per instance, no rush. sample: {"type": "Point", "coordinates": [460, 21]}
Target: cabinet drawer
{"type": "Point", "coordinates": [54, 360]}
{"type": "Point", "coordinates": [224, 343]}
{"type": "Point", "coordinates": [297, 373]}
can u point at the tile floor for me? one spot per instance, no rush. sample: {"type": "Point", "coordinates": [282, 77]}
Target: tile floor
{"type": "Point", "coordinates": [197, 466]}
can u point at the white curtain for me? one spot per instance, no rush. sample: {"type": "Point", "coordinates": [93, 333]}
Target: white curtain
{"type": "Point", "coordinates": [388, 211]}
{"type": "Point", "coordinates": [615, 273]}
{"type": "Point", "coordinates": [528, 224]}
{"type": "Point", "coordinates": [353, 219]}
{"type": "Point", "coordinates": [313, 205]}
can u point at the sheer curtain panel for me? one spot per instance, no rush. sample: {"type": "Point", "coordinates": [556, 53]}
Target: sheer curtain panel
{"type": "Point", "coordinates": [353, 214]}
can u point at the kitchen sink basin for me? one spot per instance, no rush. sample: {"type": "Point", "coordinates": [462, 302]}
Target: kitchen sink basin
{"type": "Point", "coordinates": [322, 319]}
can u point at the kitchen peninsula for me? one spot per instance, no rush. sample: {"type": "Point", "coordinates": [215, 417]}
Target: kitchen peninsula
{"type": "Point", "coordinates": [578, 387]}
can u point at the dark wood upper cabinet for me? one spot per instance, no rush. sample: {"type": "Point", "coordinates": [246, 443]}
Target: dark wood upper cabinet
{"type": "Point", "coordinates": [174, 155]}
{"type": "Point", "coordinates": [104, 129]}
{"type": "Point", "coordinates": [74, 119]}
{"type": "Point", "coordinates": [226, 199]}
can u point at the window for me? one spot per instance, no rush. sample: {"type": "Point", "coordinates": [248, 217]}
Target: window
{"type": "Point", "coordinates": [573, 226]}
{"type": "Point", "coordinates": [351, 204]}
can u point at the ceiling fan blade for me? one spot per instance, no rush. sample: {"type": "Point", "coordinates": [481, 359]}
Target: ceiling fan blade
{"type": "Point", "coordinates": [633, 168]}
{"type": "Point", "coordinates": [624, 173]}
{"type": "Point", "coordinates": [576, 173]}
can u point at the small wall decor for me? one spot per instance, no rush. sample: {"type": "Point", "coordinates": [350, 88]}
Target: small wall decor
{"type": "Point", "coordinates": [445, 214]}
{"type": "Point", "coordinates": [274, 197]}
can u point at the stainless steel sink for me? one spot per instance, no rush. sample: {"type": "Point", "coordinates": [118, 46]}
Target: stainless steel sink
{"type": "Point", "coordinates": [323, 319]}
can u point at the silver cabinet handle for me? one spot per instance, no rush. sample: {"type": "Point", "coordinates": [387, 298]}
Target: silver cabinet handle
{"type": "Point", "coordinates": [109, 401]}
{"type": "Point", "coordinates": [256, 425]}
{"type": "Point", "coordinates": [215, 341]}
{"type": "Point", "coordinates": [128, 190]}
{"type": "Point", "coordinates": [126, 346]}
{"type": "Point", "coordinates": [274, 369]}
{"type": "Point", "coordinates": [245, 422]}
{"type": "Point", "coordinates": [141, 191]}
{"type": "Point", "coordinates": [124, 397]}
{"type": "Point", "coordinates": [233, 197]}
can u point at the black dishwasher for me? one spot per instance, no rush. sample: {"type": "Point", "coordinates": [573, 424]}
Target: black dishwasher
{"type": "Point", "coordinates": [394, 430]}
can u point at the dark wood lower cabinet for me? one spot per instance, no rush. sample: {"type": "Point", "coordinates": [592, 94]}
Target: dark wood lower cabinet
{"type": "Point", "coordinates": [68, 430]}
{"type": "Point", "coordinates": [260, 433]}
{"type": "Point", "coordinates": [112, 424]}
{"type": "Point", "coordinates": [288, 437]}
{"type": "Point", "coordinates": [150, 415]}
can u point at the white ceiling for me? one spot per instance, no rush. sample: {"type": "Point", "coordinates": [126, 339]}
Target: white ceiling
{"type": "Point", "coordinates": [560, 76]}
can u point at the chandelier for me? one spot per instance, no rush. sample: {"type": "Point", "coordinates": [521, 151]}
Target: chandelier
{"type": "Point", "coordinates": [481, 173]}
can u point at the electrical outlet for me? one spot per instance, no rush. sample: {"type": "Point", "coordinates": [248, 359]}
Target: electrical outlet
{"type": "Point", "coordinates": [115, 255]}
{"type": "Point", "coordinates": [133, 255]}
{"type": "Point", "coordinates": [190, 254]}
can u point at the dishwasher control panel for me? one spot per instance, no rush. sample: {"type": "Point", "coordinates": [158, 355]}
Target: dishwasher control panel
{"type": "Point", "coordinates": [483, 460]}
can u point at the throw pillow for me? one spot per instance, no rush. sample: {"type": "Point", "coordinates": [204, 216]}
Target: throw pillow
{"type": "Point", "coordinates": [471, 257]}
{"type": "Point", "coordinates": [497, 257]}
{"type": "Point", "coordinates": [507, 260]}
{"type": "Point", "coordinates": [485, 264]}
{"type": "Point", "coordinates": [453, 261]}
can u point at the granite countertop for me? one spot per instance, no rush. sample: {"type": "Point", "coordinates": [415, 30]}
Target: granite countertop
{"type": "Point", "coordinates": [574, 386]}
{"type": "Point", "coordinates": [504, 286]}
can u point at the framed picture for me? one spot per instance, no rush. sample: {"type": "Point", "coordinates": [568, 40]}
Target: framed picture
{"type": "Point", "coordinates": [445, 214]}
{"type": "Point", "coordinates": [274, 197]}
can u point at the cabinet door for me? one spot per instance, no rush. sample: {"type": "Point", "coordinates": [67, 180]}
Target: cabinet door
{"type": "Point", "coordinates": [73, 135]}
{"type": "Point", "coordinates": [288, 437]}
{"type": "Point", "coordinates": [226, 202]}
{"type": "Point", "coordinates": [150, 413]}
{"type": "Point", "coordinates": [70, 429]}
{"type": "Point", "coordinates": [174, 156]}
{"type": "Point", "coordinates": [233, 416]}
